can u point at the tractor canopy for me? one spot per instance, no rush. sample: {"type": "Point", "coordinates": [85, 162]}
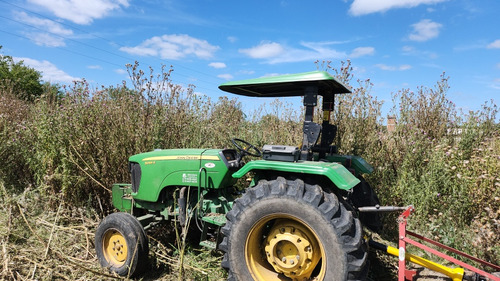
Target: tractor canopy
{"type": "Point", "coordinates": [290, 85]}
{"type": "Point", "coordinates": [308, 85]}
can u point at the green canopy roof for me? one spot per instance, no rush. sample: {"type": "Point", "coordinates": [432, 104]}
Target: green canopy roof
{"type": "Point", "coordinates": [286, 85]}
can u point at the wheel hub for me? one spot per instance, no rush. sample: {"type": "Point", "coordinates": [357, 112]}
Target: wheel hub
{"type": "Point", "coordinates": [115, 248]}
{"type": "Point", "coordinates": [292, 249]}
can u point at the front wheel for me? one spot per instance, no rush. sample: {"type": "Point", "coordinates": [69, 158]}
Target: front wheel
{"type": "Point", "coordinates": [121, 244]}
{"type": "Point", "coordinates": [289, 230]}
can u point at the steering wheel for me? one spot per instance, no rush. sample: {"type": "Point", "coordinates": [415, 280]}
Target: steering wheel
{"type": "Point", "coordinates": [246, 148]}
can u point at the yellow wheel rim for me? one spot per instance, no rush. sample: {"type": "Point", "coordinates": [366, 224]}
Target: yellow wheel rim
{"type": "Point", "coordinates": [280, 245]}
{"type": "Point", "coordinates": [115, 247]}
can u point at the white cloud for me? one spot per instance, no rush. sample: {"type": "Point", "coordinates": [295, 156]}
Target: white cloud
{"type": "Point", "coordinates": [174, 46]}
{"type": "Point", "coordinates": [52, 33]}
{"type": "Point", "coordinates": [121, 71]}
{"type": "Point", "coordinates": [364, 7]}
{"type": "Point", "coordinates": [408, 49]}
{"type": "Point", "coordinates": [46, 39]}
{"type": "Point", "coordinates": [232, 39]}
{"type": "Point", "coordinates": [412, 51]}
{"type": "Point", "coordinates": [94, 67]}
{"type": "Point", "coordinates": [362, 51]}
{"type": "Point", "coordinates": [498, 65]}
{"type": "Point", "coordinates": [494, 45]}
{"type": "Point", "coordinates": [425, 30]}
{"type": "Point", "coordinates": [310, 51]}
{"type": "Point", "coordinates": [393, 68]}
{"type": "Point", "coordinates": [246, 72]}
{"type": "Point", "coordinates": [495, 84]}
{"type": "Point", "coordinates": [263, 50]}
{"type": "Point", "coordinates": [44, 24]}
{"type": "Point", "coordinates": [81, 12]}
{"type": "Point", "coordinates": [217, 65]}
{"type": "Point", "coordinates": [225, 76]}
{"type": "Point", "coordinates": [50, 73]}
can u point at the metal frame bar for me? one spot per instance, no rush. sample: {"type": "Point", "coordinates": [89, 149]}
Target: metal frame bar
{"type": "Point", "coordinates": [418, 236]}
{"type": "Point", "coordinates": [404, 274]}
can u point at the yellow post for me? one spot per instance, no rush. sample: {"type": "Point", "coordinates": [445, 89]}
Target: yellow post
{"type": "Point", "coordinates": [456, 274]}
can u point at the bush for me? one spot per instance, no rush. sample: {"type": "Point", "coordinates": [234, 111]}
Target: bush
{"type": "Point", "coordinates": [19, 80]}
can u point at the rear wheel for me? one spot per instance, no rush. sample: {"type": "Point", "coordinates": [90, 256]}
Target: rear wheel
{"type": "Point", "coordinates": [289, 230]}
{"type": "Point", "coordinates": [363, 195]}
{"type": "Point", "coordinates": [121, 244]}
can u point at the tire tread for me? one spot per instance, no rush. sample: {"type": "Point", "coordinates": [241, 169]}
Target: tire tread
{"type": "Point", "coordinates": [347, 227]}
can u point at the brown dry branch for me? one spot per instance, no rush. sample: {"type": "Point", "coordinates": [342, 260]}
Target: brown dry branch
{"type": "Point", "coordinates": [52, 232]}
{"type": "Point", "coordinates": [85, 170]}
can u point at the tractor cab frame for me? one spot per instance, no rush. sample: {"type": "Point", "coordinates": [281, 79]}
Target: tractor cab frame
{"type": "Point", "coordinates": [308, 85]}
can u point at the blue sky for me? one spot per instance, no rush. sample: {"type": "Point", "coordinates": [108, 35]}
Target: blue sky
{"type": "Point", "coordinates": [395, 43]}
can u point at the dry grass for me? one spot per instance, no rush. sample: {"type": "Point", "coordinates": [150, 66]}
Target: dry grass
{"type": "Point", "coordinates": [40, 243]}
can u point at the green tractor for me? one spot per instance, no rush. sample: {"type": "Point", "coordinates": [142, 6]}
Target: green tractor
{"type": "Point", "coordinates": [298, 220]}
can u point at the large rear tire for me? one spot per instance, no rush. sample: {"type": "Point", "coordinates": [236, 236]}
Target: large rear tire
{"type": "Point", "coordinates": [289, 230]}
{"type": "Point", "coordinates": [121, 244]}
{"type": "Point", "coordinates": [363, 195]}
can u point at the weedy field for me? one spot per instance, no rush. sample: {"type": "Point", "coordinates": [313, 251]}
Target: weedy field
{"type": "Point", "coordinates": [62, 152]}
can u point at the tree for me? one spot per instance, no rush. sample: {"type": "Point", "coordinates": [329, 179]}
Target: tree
{"type": "Point", "coordinates": [22, 81]}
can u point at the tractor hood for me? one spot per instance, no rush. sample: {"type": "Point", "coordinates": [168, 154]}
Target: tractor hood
{"type": "Point", "coordinates": [287, 85]}
{"type": "Point", "coordinates": [153, 171]}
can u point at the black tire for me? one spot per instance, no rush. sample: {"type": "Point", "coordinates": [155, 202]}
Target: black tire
{"type": "Point", "coordinates": [128, 255]}
{"type": "Point", "coordinates": [292, 205]}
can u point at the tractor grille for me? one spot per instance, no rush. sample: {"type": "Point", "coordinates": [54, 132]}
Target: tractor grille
{"type": "Point", "coordinates": [135, 173]}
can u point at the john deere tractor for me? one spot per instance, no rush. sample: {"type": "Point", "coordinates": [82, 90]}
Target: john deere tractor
{"type": "Point", "coordinates": [298, 220]}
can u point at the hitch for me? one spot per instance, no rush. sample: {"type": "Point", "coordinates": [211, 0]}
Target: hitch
{"type": "Point", "coordinates": [380, 209]}
{"type": "Point", "coordinates": [456, 274]}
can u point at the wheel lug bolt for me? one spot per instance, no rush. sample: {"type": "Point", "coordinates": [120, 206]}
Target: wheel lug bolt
{"type": "Point", "coordinates": [283, 260]}
{"type": "Point", "coordinates": [292, 262]}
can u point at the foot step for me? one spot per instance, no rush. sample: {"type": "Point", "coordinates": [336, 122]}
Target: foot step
{"type": "Point", "coordinates": [208, 244]}
{"type": "Point", "coordinates": [216, 219]}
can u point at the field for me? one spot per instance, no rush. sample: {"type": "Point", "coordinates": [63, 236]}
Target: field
{"type": "Point", "coordinates": [62, 152]}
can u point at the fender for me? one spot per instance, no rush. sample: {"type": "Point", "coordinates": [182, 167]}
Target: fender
{"type": "Point", "coordinates": [357, 162]}
{"type": "Point", "coordinates": [336, 172]}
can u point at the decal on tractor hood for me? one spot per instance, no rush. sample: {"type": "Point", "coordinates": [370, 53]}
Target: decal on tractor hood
{"type": "Point", "coordinates": [189, 178]}
{"type": "Point", "coordinates": [209, 165]}
{"type": "Point", "coordinates": [181, 157]}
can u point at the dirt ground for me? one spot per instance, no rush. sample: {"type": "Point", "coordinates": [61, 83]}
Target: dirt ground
{"type": "Point", "coordinates": [424, 274]}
